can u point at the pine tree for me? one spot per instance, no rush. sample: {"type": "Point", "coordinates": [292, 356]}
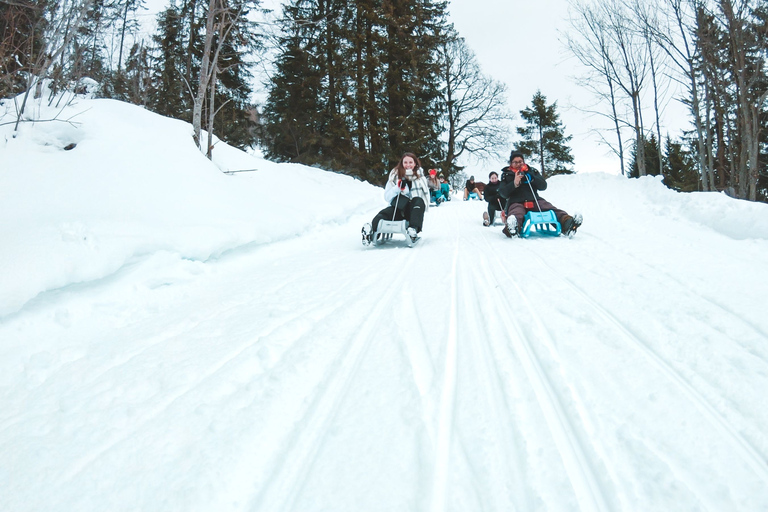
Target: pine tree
{"type": "Point", "coordinates": [170, 92]}
{"type": "Point", "coordinates": [415, 31]}
{"type": "Point", "coordinates": [544, 137]}
{"type": "Point", "coordinates": [651, 154]}
{"type": "Point", "coordinates": [293, 126]}
{"type": "Point", "coordinates": [356, 85]}
{"type": "Point", "coordinates": [22, 24]}
{"type": "Point", "coordinates": [681, 168]}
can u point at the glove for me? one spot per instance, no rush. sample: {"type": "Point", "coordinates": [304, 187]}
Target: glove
{"type": "Point", "coordinates": [402, 184]}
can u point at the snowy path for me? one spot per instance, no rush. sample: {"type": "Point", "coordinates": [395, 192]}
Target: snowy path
{"type": "Point", "coordinates": [469, 373]}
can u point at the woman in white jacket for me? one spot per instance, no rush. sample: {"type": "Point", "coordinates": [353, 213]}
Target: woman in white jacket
{"type": "Point", "coordinates": [407, 193]}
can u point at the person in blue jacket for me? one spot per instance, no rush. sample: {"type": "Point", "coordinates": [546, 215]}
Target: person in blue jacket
{"type": "Point", "coordinates": [438, 191]}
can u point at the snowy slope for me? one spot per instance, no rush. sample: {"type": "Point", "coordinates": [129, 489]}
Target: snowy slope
{"type": "Point", "coordinates": [177, 339]}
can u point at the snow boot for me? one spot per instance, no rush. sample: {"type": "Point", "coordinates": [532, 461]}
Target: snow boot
{"type": "Point", "coordinates": [413, 234]}
{"type": "Point", "coordinates": [571, 224]}
{"type": "Point", "coordinates": [367, 234]}
{"type": "Point", "coordinates": [511, 228]}
{"type": "Point", "coordinates": [486, 219]}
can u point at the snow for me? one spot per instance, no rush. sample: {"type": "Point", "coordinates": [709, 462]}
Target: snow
{"type": "Point", "coordinates": [175, 338]}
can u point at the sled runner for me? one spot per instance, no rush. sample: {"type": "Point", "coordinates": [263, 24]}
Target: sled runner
{"type": "Point", "coordinates": [385, 230]}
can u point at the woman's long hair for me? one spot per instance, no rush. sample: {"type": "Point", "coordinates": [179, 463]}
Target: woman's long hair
{"type": "Point", "coordinates": [401, 170]}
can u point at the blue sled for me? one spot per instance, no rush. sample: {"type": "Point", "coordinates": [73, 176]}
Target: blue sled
{"type": "Point", "coordinates": [540, 223]}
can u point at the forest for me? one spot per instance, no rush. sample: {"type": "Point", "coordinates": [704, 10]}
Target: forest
{"type": "Point", "coordinates": [351, 85]}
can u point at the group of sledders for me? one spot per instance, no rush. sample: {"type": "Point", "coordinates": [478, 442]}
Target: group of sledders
{"type": "Point", "coordinates": [514, 194]}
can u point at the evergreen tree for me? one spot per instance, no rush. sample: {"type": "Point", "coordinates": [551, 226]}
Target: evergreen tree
{"type": "Point", "coordinates": [170, 92]}
{"type": "Point", "coordinates": [356, 85]}
{"type": "Point", "coordinates": [293, 126]}
{"type": "Point", "coordinates": [681, 168]}
{"type": "Point", "coordinates": [22, 24]}
{"type": "Point", "coordinates": [651, 155]}
{"type": "Point", "coordinates": [88, 57]}
{"type": "Point", "coordinates": [544, 137]}
{"type": "Point", "coordinates": [178, 52]}
{"type": "Point", "coordinates": [415, 33]}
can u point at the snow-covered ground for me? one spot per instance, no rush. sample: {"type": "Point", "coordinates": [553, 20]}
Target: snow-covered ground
{"type": "Point", "coordinates": [176, 339]}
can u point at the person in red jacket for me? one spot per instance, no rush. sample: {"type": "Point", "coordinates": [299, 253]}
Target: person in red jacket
{"type": "Point", "coordinates": [519, 186]}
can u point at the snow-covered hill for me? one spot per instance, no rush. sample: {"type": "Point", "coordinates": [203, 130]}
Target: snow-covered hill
{"type": "Point", "coordinates": [173, 338]}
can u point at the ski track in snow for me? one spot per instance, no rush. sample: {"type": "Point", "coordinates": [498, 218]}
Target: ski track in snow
{"type": "Point", "coordinates": [699, 293]}
{"type": "Point", "coordinates": [487, 400]}
{"type": "Point", "coordinates": [286, 478]}
{"type": "Point", "coordinates": [738, 442]}
{"type": "Point", "coordinates": [585, 485]}
{"type": "Point", "coordinates": [447, 401]}
{"type": "Point", "coordinates": [210, 374]}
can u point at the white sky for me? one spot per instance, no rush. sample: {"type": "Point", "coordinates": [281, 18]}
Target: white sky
{"type": "Point", "coordinates": [517, 42]}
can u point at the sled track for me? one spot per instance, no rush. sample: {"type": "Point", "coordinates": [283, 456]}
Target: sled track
{"type": "Point", "coordinates": [509, 459]}
{"type": "Point", "coordinates": [214, 370]}
{"type": "Point", "coordinates": [748, 452]}
{"type": "Point", "coordinates": [586, 486]}
{"type": "Point", "coordinates": [713, 302]}
{"type": "Point", "coordinates": [447, 403]}
{"type": "Point", "coordinates": [284, 484]}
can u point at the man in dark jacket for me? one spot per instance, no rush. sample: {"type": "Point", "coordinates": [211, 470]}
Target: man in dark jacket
{"type": "Point", "coordinates": [519, 186]}
{"type": "Point", "coordinates": [495, 202]}
{"type": "Point", "coordinates": [471, 188]}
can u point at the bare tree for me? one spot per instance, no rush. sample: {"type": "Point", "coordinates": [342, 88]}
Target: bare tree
{"type": "Point", "coordinates": [476, 115]}
{"type": "Point", "coordinates": [593, 49]}
{"type": "Point", "coordinates": [630, 68]}
{"type": "Point", "coordinates": [218, 25]}
{"type": "Point", "coordinates": [674, 33]}
{"type": "Point", "coordinates": [648, 17]}
{"type": "Point", "coordinates": [59, 24]}
{"type": "Point", "coordinates": [746, 71]}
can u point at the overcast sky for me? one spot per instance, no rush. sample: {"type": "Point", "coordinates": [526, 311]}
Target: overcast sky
{"type": "Point", "coordinates": [518, 42]}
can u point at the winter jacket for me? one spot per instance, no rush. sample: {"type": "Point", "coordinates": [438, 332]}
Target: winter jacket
{"type": "Point", "coordinates": [523, 193]}
{"type": "Point", "coordinates": [417, 187]}
{"type": "Point", "coordinates": [434, 184]}
{"type": "Point", "coordinates": [491, 192]}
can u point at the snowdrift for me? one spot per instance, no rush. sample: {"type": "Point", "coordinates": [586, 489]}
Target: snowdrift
{"type": "Point", "coordinates": [135, 184]}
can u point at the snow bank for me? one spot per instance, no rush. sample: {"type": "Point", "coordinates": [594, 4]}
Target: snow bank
{"type": "Point", "coordinates": [603, 197]}
{"type": "Point", "coordinates": [135, 184]}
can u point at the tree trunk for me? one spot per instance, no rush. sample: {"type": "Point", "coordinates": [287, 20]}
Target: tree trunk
{"type": "Point", "coordinates": [211, 107]}
{"type": "Point", "coordinates": [122, 37]}
{"type": "Point", "coordinates": [202, 87]}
